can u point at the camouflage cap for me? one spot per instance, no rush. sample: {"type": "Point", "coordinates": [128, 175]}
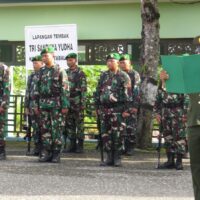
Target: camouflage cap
{"type": "Point", "coordinates": [115, 56]}
{"type": "Point", "coordinates": [48, 49]}
{"type": "Point", "coordinates": [71, 55]}
{"type": "Point", "coordinates": [36, 58]}
{"type": "Point", "coordinates": [125, 57]}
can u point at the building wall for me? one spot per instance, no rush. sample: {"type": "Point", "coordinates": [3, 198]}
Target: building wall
{"type": "Point", "coordinates": [94, 22]}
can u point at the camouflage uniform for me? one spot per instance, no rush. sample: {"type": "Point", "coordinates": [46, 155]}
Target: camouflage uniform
{"type": "Point", "coordinates": [131, 121]}
{"type": "Point", "coordinates": [172, 108]}
{"type": "Point", "coordinates": [112, 99]}
{"type": "Point", "coordinates": [4, 103]}
{"type": "Point", "coordinates": [52, 93]}
{"type": "Point", "coordinates": [75, 118]}
{"type": "Point", "coordinates": [29, 104]}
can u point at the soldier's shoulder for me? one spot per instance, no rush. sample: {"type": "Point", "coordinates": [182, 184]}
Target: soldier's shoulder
{"type": "Point", "coordinates": [3, 67]}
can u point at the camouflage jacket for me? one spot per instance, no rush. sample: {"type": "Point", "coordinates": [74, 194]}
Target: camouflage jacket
{"type": "Point", "coordinates": [4, 86]}
{"type": "Point", "coordinates": [52, 88]}
{"type": "Point", "coordinates": [31, 90]}
{"type": "Point", "coordinates": [172, 101]}
{"type": "Point", "coordinates": [78, 88]}
{"type": "Point", "coordinates": [135, 83]}
{"type": "Point", "coordinates": [113, 91]}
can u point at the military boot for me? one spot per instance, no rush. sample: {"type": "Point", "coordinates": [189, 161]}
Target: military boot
{"type": "Point", "coordinates": [179, 164]}
{"type": "Point", "coordinates": [79, 147]}
{"type": "Point", "coordinates": [45, 156]}
{"type": "Point", "coordinates": [170, 164]}
{"type": "Point", "coordinates": [108, 161]}
{"type": "Point", "coordinates": [129, 148]}
{"type": "Point", "coordinates": [56, 156]}
{"type": "Point", "coordinates": [2, 153]}
{"type": "Point", "coordinates": [72, 147]}
{"type": "Point", "coordinates": [117, 159]}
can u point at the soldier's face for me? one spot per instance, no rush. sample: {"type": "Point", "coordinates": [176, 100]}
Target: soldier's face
{"type": "Point", "coordinates": [71, 62]}
{"type": "Point", "coordinates": [124, 65]}
{"type": "Point", "coordinates": [37, 65]}
{"type": "Point", "coordinates": [112, 64]}
{"type": "Point", "coordinates": [47, 58]}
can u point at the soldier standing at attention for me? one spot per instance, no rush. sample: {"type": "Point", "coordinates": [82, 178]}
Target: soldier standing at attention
{"type": "Point", "coordinates": [52, 104]}
{"type": "Point", "coordinates": [193, 131]}
{"type": "Point", "coordinates": [74, 128]}
{"type": "Point", "coordinates": [4, 103]}
{"type": "Point", "coordinates": [28, 104]}
{"type": "Point", "coordinates": [112, 102]}
{"type": "Point", "coordinates": [131, 121]}
{"type": "Point", "coordinates": [171, 110]}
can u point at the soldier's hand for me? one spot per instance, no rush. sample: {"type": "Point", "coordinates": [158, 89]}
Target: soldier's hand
{"type": "Point", "coordinates": [64, 111]}
{"type": "Point", "coordinates": [184, 119]}
{"type": "Point", "coordinates": [2, 110]}
{"type": "Point", "coordinates": [134, 110]}
{"type": "Point", "coordinates": [158, 118]}
{"type": "Point", "coordinates": [164, 76]}
{"type": "Point", "coordinates": [125, 114]}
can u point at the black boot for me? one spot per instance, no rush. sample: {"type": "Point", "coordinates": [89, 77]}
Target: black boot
{"type": "Point", "coordinates": [45, 156]}
{"type": "Point", "coordinates": [117, 159]}
{"type": "Point", "coordinates": [170, 164]}
{"type": "Point", "coordinates": [35, 151]}
{"type": "Point", "coordinates": [72, 147]}
{"type": "Point", "coordinates": [179, 164]}
{"type": "Point", "coordinates": [2, 153]}
{"type": "Point", "coordinates": [79, 147]}
{"type": "Point", "coordinates": [129, 148]}
{"type": "Point", "coordinates": [56, 156]}
{"type": "Point", "coordinates": [108, 161]}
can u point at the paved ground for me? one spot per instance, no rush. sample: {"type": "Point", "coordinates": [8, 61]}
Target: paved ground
{"type": "Point", "coordinates": [79, 177]}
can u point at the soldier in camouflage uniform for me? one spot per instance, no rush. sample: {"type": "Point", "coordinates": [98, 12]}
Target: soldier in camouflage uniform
{"type": "Point", "coordinates": [112, 101]}
{"type": "Point", "coordinates": [52, 103]}
{"type": "Point", "coordinates": [4, 103]}
{"type": "Point", "coordinates": [171, 110]}
{"type": "Point", "coordinates": [131, 121]}
{"type": "Point", "coordinates": [74, 128]}
{"type": "Point", "coordinates": [28, 103]}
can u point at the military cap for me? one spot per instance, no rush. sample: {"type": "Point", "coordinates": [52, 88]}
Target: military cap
{"type": "Point", "coordinates": [37, 58]}
{"type": "Point", "coordinates": [115, 56]}
{"type": "Point", "coordinates": [48, 49]}
{"type": "Point", "coordinates": [71, 55]}
{"type": "Point", "coordinates": [125, 57]}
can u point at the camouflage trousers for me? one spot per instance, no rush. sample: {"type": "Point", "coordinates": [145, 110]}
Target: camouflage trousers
{"type": "Point", "coordinates": [36, 128]}
{"type": "Point", "coordinates": [174, 131]}
{"type": "Point", "coordinates": [51, 128]}
{"type": "Point", "coordinates": [131, 127]}
{"type": "Point", "coordinates": [112, 129]}
{"type": "Point", "coordinates": [74, 125]}
{"type": "Point", "coordinates": [2, 126]}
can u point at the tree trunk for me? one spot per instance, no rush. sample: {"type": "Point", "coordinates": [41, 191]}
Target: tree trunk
{"type": "Point", "coordinates": [150, 54]}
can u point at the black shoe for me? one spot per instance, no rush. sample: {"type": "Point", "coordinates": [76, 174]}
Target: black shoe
{"type": "Point", "coordinates": [45, 156]}
{"type": "Point", "coordinates": [170, 164]}
{"type": "Point", "coordinates": [109, 160]}
{"type": "Point", "coordinates": [117, 159]}
{"type": "Point", "coordinates": [79, 146]}
{"type": "Point", "coordinates": [3, 155]}
{"type": "Point", "coordinates": [56, 157]}
{"type": "Point", "coordinates": [179, 164]}
{"type": "Point", "coordinates": [72, 147]}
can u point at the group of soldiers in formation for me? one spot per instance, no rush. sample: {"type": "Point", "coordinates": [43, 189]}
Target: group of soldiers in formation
{"type": "Point", "coordinates": [55, 101]}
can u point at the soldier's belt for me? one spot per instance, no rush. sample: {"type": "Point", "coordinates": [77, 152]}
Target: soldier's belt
{"type": "Point", "coordinates": [112, 105]}
{"type": "Point", "coordinates": [47, 96]}
{"type": "Point", "coordinates": [173, 105]}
